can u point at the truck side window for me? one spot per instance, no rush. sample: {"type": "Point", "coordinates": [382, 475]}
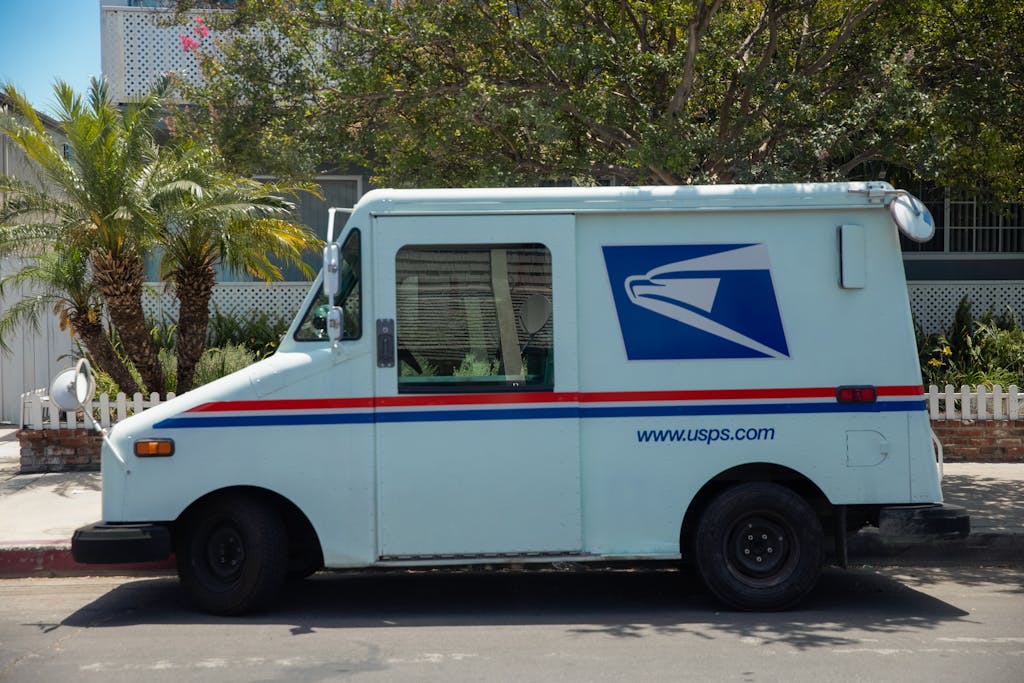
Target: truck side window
{"type": "Point", "coordinates": [474, 318]}
{"type": "Point", "coordinates": [314, 324]}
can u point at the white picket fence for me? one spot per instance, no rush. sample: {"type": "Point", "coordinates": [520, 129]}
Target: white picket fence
{"type": "Point", "coordinates": [980, 403]}
{"type": "Point", "coordinates": [38, 412]}
{"type": "Point", "coordinates": [965, 403]}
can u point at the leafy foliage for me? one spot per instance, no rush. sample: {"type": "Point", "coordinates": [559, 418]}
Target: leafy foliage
{"type": "Point", "coordinates": [114, 198]}
{"type": "Point", "coordinates": [989, 351]}
{"type": "Point", "coordinates": [260, 334]}
{"type": "Point", "coordinates": [473, 92]}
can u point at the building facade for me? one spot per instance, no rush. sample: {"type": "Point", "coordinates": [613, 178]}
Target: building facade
{"type": "Point", "coordinates": [34, 357]}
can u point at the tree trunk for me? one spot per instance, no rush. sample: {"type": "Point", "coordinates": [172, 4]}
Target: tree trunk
{"type": "Point", "coordinates": [97, 344]}
{"type": "Point", "coordinates": [193, 288]}
{"type": "Point", "coordinates": [120, 280]}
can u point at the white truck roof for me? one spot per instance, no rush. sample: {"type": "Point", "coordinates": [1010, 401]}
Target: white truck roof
{"type": "Point", "coordinates": [606, 199]}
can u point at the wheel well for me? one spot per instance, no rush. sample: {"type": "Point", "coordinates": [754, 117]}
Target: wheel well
{"type": "Point", "coordinates": [766, 472]}
{"type": "Point", "coordinates": [301, 534]}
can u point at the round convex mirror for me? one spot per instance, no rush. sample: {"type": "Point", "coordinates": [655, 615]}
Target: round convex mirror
{"type": "Point", "coordinates": [912, 218]}
{"type": "Point", "coordinates": [535, 312]}
{"type": "Point", "coordinates": [85, 382]}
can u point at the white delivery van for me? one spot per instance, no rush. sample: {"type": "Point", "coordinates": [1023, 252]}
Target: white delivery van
{"type": "Point", "coordinates": [721, 374]}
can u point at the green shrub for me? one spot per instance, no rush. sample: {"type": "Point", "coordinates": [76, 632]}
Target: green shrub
{"type": "Point", "coordinates": [213, 364]}
{"type": "Point", "coordinates": [220, 362]}
{"type": "Point", "coordinates": [987, 351]}
{"type": "Point", "coordinates": [261, 334]}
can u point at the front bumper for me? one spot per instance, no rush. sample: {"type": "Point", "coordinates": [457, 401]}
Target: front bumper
{"type": "Point", "coordinates": [103, 543]}
{"type": "Point", "coordinates": [917, 523]}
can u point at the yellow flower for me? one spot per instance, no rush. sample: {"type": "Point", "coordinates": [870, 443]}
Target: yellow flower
{"type": "Point", "coordinates": [946, 351]}
{"type": "Point", "coordinates": [935, 362]}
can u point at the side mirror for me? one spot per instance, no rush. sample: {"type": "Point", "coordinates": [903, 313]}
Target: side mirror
{"type": "Point", "coordinates": [335, 323]}
{"type": "Point", "coordinates": [332, 268]}
{"type": "Point", "coordinates": [535, 313]}
{"type": "Point", "coordinates": [912, 217]}
{"type": "Point", "coordinates": [74, 387]}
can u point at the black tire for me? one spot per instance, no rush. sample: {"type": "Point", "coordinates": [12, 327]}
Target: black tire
{"type": "Point", "coordinates": [233, 556]}
{"type": "Point", "coordinates": [758, 547]}
{"type": "Point", "coordinates": [303, 562]}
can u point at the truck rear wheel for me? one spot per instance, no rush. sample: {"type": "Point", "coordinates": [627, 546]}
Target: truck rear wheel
{"type": "Point", "coordinates": [233, 555]}
{"type": "Point", "coordinates": [759, 547]}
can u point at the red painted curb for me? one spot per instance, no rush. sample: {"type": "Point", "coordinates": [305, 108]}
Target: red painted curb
{"type": "Point", "coordinates": [56, 560]}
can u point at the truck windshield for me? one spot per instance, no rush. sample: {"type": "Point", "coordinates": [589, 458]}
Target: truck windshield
{"type": "Point", "coordinates": [314, 322]}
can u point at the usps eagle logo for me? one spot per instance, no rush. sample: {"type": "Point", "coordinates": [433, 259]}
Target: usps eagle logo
{"type": "Point", "coordinates": [696, 301]}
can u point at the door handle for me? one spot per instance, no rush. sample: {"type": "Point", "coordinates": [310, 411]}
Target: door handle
{"type": "Point", "coordinates": [385, 343]}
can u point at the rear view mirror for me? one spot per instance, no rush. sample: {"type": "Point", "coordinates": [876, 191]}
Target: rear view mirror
{"type": "Point", "coordinates": [335, 323]}
{"type": "Point", "coordinates": [535, 313]}
{"type": "Point", "coordinates": [74, 387]}
{"type": "Point", "coordinates": [912, 217]}
{"type": "Point", "coordinates": [332, 268]}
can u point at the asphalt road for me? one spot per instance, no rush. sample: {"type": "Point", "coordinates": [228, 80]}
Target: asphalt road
{"type": "Point", "coordinates": [864, 624]}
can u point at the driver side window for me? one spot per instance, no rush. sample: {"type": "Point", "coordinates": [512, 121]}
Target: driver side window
{"type": "Point", "coordinates": [314, 323]}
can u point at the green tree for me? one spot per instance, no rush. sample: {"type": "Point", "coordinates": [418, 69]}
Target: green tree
{"type": "Point", "coordinates": [212, 218]}
{"type": "Point", "coordinates": [118, 195]}
{"type": "Point", "coordinates": [469, 92]}
{"type": "Point", "coordinates": [58, 281]}
{"type": "Point", "coordinates": [96, 199]}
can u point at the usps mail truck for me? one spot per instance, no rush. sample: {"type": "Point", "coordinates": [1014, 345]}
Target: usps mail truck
{"type": "Point", "coordinates": [724, 375]}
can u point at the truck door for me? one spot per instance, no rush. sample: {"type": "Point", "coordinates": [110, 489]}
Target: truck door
{"type": "Point", "coordinates": [477, 427]}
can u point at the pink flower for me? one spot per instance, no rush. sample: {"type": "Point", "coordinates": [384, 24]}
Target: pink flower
{"type": "Point", "coordinates": [188, 43]}
{"type": "Point", "coordinates": [201, 29]}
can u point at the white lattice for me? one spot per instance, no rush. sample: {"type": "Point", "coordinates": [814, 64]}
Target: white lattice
{"type": "Point", "coordinates": [142, 44]}
{"type": "Point", "coordinates": [277, 299]}
{"type": "Point", "coordinates": [934, 303]}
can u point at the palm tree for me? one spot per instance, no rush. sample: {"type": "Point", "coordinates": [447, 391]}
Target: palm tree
{"type": "Point", "coordinates": [59, 281]}
{"type": "Point", "coordinates": [212, 218]}
{"type": "Point", "coordinates": [99, 201]}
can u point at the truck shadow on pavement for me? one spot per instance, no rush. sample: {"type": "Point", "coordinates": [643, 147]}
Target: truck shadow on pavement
{"type": "Point", "coordinates": [623, 604]}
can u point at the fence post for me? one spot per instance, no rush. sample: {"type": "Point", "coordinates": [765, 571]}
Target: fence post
{"type": "Point", "coordinates": [982, 402]}
{"type": "Point", "coordinates": [122, 406]}
{"type": "Point", "coordinates": [997, 402]}
{"type": "Point", "coordinates": [104, 411]}
{"type": "Point", "coordinates": [965, 403]}
{"type": "Point", "coordinates": [35, 411]}
{"type": "Point", "coordinates": [950, 403]}
{"type": "Point", "coordinates": [933, 402]}
{"type": "Point", "coordinates": [1013, 401]}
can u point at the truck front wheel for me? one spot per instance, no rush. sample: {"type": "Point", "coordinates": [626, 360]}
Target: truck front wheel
{"type": "Point", "coordinates": [232, 556]}
{"type": "Point", "coordinates": [759, 547]}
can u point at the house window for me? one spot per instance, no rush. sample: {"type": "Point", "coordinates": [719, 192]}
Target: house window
{"type": "Point", "coordinates": [474, 318]}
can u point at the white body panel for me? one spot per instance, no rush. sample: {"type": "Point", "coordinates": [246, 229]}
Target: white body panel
{"type": "Point", "coordinates": [603, 460]}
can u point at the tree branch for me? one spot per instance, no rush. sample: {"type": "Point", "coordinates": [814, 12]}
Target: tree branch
{"type": "Point", "coordinates": [695, 32]}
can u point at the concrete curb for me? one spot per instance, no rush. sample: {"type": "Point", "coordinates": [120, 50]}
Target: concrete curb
{"type": "Point", "coordinates": [49, 560]}
{"type": "Point", "coordinates": [981, 547]}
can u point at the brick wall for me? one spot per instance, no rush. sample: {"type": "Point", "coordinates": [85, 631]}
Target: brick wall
{"type": "Point", "coordinates": [59, 450]}
{"type": "Point", "coordinates": [981, 440]}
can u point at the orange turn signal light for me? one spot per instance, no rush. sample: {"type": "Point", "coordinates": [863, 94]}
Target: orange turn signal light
{"type": "Point", "coordinates": [154, 448]}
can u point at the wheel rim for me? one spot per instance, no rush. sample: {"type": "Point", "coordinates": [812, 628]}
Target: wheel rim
{"type": "Point", "coordinates": [761, 549]}
{"type": "Point", "coordinates": [224, 552]}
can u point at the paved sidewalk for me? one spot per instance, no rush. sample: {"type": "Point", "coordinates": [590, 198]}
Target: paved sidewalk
{"type": "Point", "coordinates": [39, 513]}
